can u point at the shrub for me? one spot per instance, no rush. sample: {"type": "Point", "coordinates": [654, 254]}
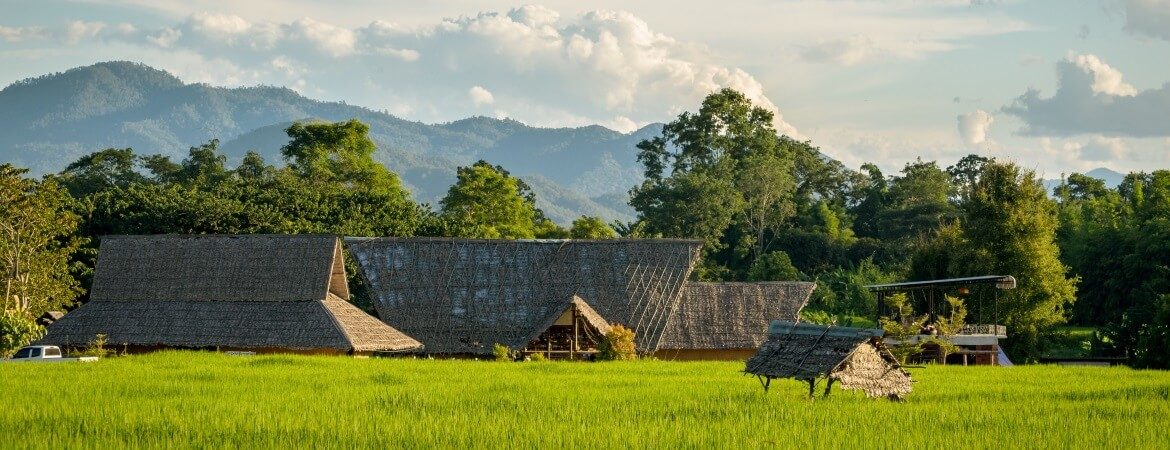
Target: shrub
{"type": "Point", "coordinates": [501, 352]}
{"type": "Point", "coordinates": [17, 329]}
{"type": "Point", "coordinates": [537, 357]}
{"type": "Point", "coordinates": [96, 347]}
{"type": "Point", "coordinates": [902, 327]}
{"type": "Point", "coordinates": [617, 345]}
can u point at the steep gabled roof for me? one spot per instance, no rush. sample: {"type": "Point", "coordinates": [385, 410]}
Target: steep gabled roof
{"type": "Point", "coordinates": [255, 291]}
{"type": "Point", "coordinates": [464, 295]}
{"type": "Point", "coordinates": [800, 350]}
{"type": "Point", "coordinates": [574, 304]}
{"type": "Point", "coordinates": [219, 268]}
{"type": "Point", "coordinates": [732, 315]}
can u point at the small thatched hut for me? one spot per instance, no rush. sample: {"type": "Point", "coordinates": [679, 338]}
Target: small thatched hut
{"type": "Point", "coordinates": [259, 293]}
{"type": "Point", "coordinates": [854, 357]}
{"type": "Point", "coordinates": [571, 332]}
{"type": "Point", "coordinates": [729, 321]}
{"type": "Point", "coordinates": [462, 296]}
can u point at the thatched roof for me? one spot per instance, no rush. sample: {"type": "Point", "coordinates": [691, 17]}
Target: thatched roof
{"type": "Point", "coordinates": [856, 357]}
{"type": "Point", "coordinates": [732, 315]}
{"type": "Point", "coordinates": [252, 268]}
{"type": "Point", "coordinates": [583, 309]}
{"type": "Point", "coordinates": [461, 296]}
{"type": "Point", "coordinates": [256, 291]}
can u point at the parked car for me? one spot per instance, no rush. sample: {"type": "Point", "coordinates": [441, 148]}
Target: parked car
{"type": "Point", "coordinates": [45, 353]}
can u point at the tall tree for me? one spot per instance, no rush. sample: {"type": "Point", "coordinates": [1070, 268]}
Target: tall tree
{"type": "Point", "coordinates": [338, 153]}
{"type": "Point", "coordinates": [487, 202]}
{"type": "Point", "coordinates": [36, 242]}
{"type": "Point", "coordinates": [723, 175]}
{"type": "Point", "coordinates": [1010, 229]}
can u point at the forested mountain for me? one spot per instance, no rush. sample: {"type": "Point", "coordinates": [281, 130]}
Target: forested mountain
{"type": "Point", "coordinates": [55, 119]}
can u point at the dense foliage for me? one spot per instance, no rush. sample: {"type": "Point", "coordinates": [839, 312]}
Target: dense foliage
{"type": "Point", "coordinates": [766, 206]}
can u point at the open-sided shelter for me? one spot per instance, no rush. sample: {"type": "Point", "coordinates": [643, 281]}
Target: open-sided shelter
{"type": "Point", "coordinates": [462, 296]}
{"type": "Point", "coordinates": [573, 331]}
{"type": "Point", "coordinates": [729, 321]}
{"type": "Point", "coordinates": [854, 357]}
{"type": "Point", "coordinates": [264, 293]}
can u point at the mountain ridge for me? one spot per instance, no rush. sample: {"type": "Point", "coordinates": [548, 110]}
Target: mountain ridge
{"type": "Point", "coordinates": [56, 118]}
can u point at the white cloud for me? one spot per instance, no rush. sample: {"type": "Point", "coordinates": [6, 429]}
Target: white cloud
{"type": "Point", "coordinates": [595, 67]}
{"type": "Point", "coordinates": [20, 34]}
{"type": "Point", "coordinates": [79, 30]}
{"type": "Point", "coordinates": [1149, 18]}
{"type": "Point", "coordinates": [1106, 80]}
{"type": "Point", "coordinates": [480, 96]}
{"type": "Point", "coordinates": [973, 127]}
{"type": "Point", "coordinates": [1093, 98]}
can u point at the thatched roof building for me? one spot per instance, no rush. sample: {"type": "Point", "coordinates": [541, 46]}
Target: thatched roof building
{"type": "Point", "coordinates": [729, 321]}
{"type": "Point", "coordinates": [854, 357]}
{"type": "Point", "coordinates": [254, 292]}
{"type": "Point", "coordinates": [461, 296]}
{"type": "Point", "coordinates": [572, 331]}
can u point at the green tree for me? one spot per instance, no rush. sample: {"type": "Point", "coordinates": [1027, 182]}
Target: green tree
{"type": "Point", "coordinates": [586, 227]}
{"type": "Point", "coordinates": [487, 202]}
{"type": "Point", "coordinates": [773, 266]}
{"type": "Point", "coordinates": [723, 175]}
{"type": "Point", "coordinates": [112, 167]}
{"type": "Point", "coordinates": [17, 329]}
{"type": "Point", "coordinates": [340, 154]}
{"type": "Point", "coordinates": [36, 242]}
{"type": "Point", "coordinates": [1010, 229]}
{"type": "Point", "coordinates": [919, 201]}
{"type": "Point", "coordinates": [902, 327]}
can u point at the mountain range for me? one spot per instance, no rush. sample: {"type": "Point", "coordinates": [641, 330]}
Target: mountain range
{"type": "Point", "coordinates": [54, 119]}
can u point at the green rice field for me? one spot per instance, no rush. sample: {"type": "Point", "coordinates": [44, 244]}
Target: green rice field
{"type": "Point", "coordinates": [206, 400]}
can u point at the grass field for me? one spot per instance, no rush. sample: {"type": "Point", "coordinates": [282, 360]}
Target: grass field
{"type": "Point", "coordinates": [213, 400]}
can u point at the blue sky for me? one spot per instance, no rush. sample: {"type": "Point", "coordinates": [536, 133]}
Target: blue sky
{"type": "Point", "coordinates": [1057, 86]}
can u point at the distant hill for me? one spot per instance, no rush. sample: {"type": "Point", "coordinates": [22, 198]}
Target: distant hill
{"type": "Point", "coordinates": [1110, 177]}
{"type": "Point", "coordinates": [54, 119]}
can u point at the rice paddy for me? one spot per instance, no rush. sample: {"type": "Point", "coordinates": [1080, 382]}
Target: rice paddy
{"type": "Point", "coordinates": [186, 399]}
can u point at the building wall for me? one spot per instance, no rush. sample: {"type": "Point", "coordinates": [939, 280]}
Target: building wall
{"type": "Point", "coordinates": [734, 354]}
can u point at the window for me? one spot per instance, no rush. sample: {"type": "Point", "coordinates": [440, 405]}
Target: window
{"type": "Point", "coordinates": [52, 351]}
{"type": "Point", "coordinates": [34, 353]}
{"type": "Point", "coordinates": [23, 353]}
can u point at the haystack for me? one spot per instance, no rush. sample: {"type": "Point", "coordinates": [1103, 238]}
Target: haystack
{"type": "Point", "coordinates": [462, 296]}
{"type": "Point", "coordinates": [729, 321]}
{"type": "Point", "coordinates": [854, 357]}
{"type": "Point", "coordinates": [257, 292]}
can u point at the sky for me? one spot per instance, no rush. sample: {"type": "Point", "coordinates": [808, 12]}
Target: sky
{"type": "Point", "coordinates": [1058, 86]}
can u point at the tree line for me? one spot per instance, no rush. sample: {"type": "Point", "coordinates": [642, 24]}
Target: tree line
{"type": "Point", "coordinates": [767, 207]}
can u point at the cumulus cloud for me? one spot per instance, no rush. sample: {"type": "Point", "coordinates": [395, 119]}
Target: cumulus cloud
{"type": "Point", "coordinates": [1150, 18]}
{"type": "Point", "coordinates": [973, 127]}
{"type": "Point", "coordinates": [598, 67]}
{"type": "Point", "coordinates": [480, 96]}
{"type": "Point", "coordinates": [1093, 98]}
{"type": "Point", "coordinates": [1106, 79]}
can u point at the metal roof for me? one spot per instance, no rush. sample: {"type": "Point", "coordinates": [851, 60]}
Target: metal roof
{"type": "Point", "coordinates": [1000, 281]}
